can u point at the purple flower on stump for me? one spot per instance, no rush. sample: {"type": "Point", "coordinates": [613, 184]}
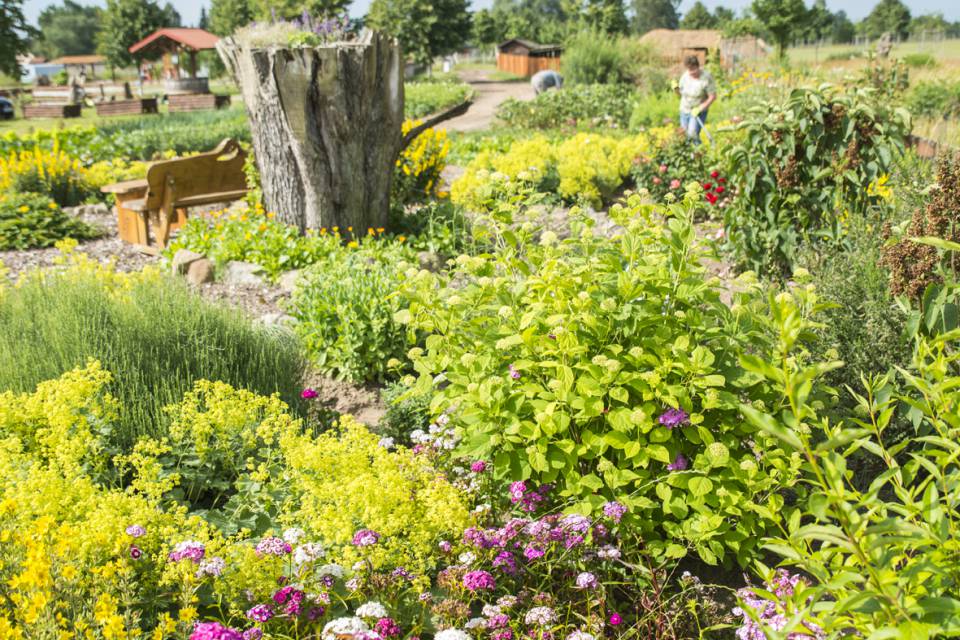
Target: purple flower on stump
{"type": "Point", "coordinates": [680, 463]}
{"type": "Point", "coordinates": [479, 581]}
{"type": "Point", "coordinates": [365, 538]}
{"type": "Point", "coordinates": [673, 418]}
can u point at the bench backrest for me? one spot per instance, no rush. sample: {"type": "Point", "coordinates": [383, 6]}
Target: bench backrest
{"type": "Point", "coordinates": [216, 171]}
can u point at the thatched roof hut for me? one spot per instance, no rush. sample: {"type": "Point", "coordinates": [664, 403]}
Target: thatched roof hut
{"type": "Point", "coordinates": [673, 45]}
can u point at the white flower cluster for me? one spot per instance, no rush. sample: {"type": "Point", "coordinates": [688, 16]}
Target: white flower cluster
{"type": "Point", "coordinates": [308, 552]}
{"type": "Point", "coordinates": [439, 435]}
{"type": "Point", "coordinates": [540, 616]}
{"type": "Point", "coordinates": [475, 623]}
{"type": "Point", "coordinates": [490, 610]}
{"type": "Point", "coordinates": [333, 570]}
{"type": "Point", "coordinates": [372, 610]}
{"type": "Point", "coordinates": [293, 535]}
{"type": "Point", "coordinates": [343, 627]}
{"type": "Point", "coordinates": [387, 442]}
{"type": "Point", "coordinates": [580, 635]}
{"type": "Point", "coordinates": [451, 634]}
{"type": "Point", "coordinates": [608, 552]}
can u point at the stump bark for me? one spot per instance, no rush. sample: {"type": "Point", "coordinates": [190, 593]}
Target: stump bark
{"type": "Point", "coordinates": [326, 124]}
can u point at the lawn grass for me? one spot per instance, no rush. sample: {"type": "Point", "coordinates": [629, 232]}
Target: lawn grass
{"type": "Point", "coordinates": [947, 53]}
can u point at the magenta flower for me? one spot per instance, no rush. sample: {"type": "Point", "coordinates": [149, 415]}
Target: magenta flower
{"type": "Point", "coordinates": [387, 628]}
{"type": "Point", "coordinates": [505, 562]}
{"type": "Point", "coordinates": [260, 613]}
{"type": "Point", "coordinates": [680, 463]}
{"type": "Point", "coordinates": [506, 634]}
{"type": "Point", "coordinates": [365, 538]}
{"type": "Point", "coordinates": [533, 551]}
{"type": "Point", "coordinates": [478, 466]}
{"type": "Point", "coordinates": [136, 531]}
{"type": "Point", "coordinates": [587, 580]}
{"type": "Point", "coordinates": [514, 373]}
{"type": "Point", "coordinates": [135, 552]}
{"type": "Point", "coordinates": [614, 510]}
{"type": "Point", "coordinates": [253, 633]}
{"type": "Point", "coordinates": [445, 546]}
{"type": "Point", "coordinates": [673, 418]}
{"type": "Point", "coordinates": [478, 581]}
{"type": "Point", "coordinates": [615, 619]}
{"type": "Point", "coordinates": [214, 631]}
{"type": "Point", "coordinates": [674, 183]}
{"type": "Point", "coordinates": [273, 546]}
{"type": "Point", "coordinates": [187, 550]}
{"type": "Point", "coordinates": [309, 393]}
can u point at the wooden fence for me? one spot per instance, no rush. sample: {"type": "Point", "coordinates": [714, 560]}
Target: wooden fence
{"type": "Point", "coordinates": [525, 66]}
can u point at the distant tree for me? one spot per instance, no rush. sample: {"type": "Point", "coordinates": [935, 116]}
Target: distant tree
{"type": "Point", "coordinates": [608, 16]}
{"type": "Point", "coordinates": [425, 29]}
{"type": "Point", "coordinates": [487, 30]}
{"type": "Point", "coordinates": [67, 30]}
{"type": "Point", "coordinates": [544, 21]}
{"type": "Point", "coordinates": [929, 22]}
{"type": "Point", "coordinates": [204, 22]}
{"type": "Point", "coordinates": [226, 16]}
{"type": "Point", "coordinates": [15, 36]}
{"type": "Point", "coordinates": [286, 9]}
{"type": "Point", "coordinates": [887, 15]}
{"type": "Point", "coordinates": [655, 14]}
{"type": "Point", "coordinates": [842, 29]}
{"type": "Point", "coordinates": [170, 17]}
{"type": "Point", "coordinates": [820, 22]}
{"type": "Point", "coordinates": [784, 20]}
{"type": "Point", "coordinates": [722, 15]}
{"type": "Point", "coordinates": [125, 22]}
{"type": "Point", "coordinates": [699, 17]}
{"type": "Point", "coordinates": [742, 27]}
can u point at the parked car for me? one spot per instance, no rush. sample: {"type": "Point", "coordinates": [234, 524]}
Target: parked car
{"type": "Point", "coordinates": [6, 109]}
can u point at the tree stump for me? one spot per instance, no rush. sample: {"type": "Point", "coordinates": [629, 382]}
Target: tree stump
{"type": "Point", "coordinates": [326, 124]}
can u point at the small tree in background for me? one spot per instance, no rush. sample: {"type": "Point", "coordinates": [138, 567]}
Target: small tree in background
{"type": "Point", "coordinates": [784, 20]}
{"type": "Point", "coordinates": [425, 29]}
{"type": "Point", "coordinates": [607, 16]}
{"type": "Point", "coordinates": [286, 9]}
{"type": "Point", "coordinates": [699, 17]}
{"type": "Point", "coordinates": [126, 22]}
{"type": "Point", "coordinates": [655, 14]}
{"type": "Point", "coordinates": [487, 30]}
{"type": "Point", "coordinates": [14, 36]}
{"type": "Point", "coordinates": [226, 16]}
{"type": "Point", "coordinates": [887, 15]}
{"type": "Point", "coordinates": [68, 30]}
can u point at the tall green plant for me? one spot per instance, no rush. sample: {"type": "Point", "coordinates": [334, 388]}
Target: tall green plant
{"type": "Point", "coordinates": [803, 166]}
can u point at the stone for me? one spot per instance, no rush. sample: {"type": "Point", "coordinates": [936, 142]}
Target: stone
{"type": "Point", "coordinates": [430, 261]}
{"type": "Point", "coordinates": [182, 260]}
{"type": "Point", "coordinates": [243, 273]}
{"type": "Point", "coordinates": [288, 280]}
{"type": "Point", "coordinates": [278, 320]}
{"type": "Point", "coordinates": [199, 272]}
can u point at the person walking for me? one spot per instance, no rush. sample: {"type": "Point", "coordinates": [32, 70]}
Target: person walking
{"type": "Point", "coordinates": [546, 79]}
{"type": "Point", "coordinates": [697, 91]}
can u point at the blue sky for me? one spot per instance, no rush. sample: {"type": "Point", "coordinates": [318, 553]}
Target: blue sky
{"type": "Point", "coordinates": [856, 9]}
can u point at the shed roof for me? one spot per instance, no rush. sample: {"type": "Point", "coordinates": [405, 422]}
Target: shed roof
{"type": "Point", "coordinates": [196, 39]}
{"type": "Point", "coordinates": [87, 59]}
{"type": "Point", "coordinates": [530, 44]}
{"type": "Point", "coordinates": [676, 39]}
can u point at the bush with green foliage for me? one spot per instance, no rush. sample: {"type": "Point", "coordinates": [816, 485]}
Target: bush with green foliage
{"type": "Point", "coordinates": [654, 110]}
{"type": "Point", "coordinates": [934, 99]}
{"type": "Point", "coordinates": [420, 99]}
{"type": "Point", "coordinates": [30, 221]}
{"type": "Point", "coordinates": [609, 368]}
{"type": "Point", "coordinates": [920, 60]}
{"type": "Point", "coordinates": [803, 166]}
{"type": "Point", "coordinates": [406, 412]}
{"type": "Point", "coordinates": [880, 559]}
{"type": "Point", "coordinates": [150, 331]}
{"type": "Point", "coordinates": [588, 105]}
{"type": "Point", "coordinates": [590, 57]}
{"type": "Point", "coordinates": [344, 307]}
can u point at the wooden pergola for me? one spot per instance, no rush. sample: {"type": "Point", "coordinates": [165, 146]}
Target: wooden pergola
{"type": "Point", "coordinates": [166, 42]}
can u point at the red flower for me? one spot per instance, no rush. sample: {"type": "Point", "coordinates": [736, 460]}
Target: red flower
{"type": "Point", "coordinates": [721, 180]}
{"type": "Point", "coordinates": [711, 198]}
{"type": "Point", "coordinates": [714, 174]}
{"type": "Point", "coordinates": [707, 186]}
{"type": "Point", "coordinates": [720, 189]}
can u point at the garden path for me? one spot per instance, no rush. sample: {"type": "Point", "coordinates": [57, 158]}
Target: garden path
{"type": "Point", "coordinates": [489, 96]}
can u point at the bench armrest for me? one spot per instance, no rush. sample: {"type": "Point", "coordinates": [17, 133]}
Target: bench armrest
{"type": "Point", "coordinates": [126, 188]}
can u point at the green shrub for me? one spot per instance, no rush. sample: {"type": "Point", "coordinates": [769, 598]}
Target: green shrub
{"type": "Point", "coordinates": [803, 166]}
{"type": "Point", "coordinates": [920, 60]}
{"type": "Point", "coordinates": [29, 221]}
{"type": "Point", "coordinates": [406, 412]}
{"type": "Point", "coordinates": [654, 110]}
{"type": "Point", "coordinates": [439, 227]}
{"type": "Point", "coordinates": [939, 99]}
{"type": "Point", "coordinates": [882, 559]}
{"type": "Point", "coordinates": [421, 99]}
{"type": "Point", "coordinates": [590, 57]}
{"type": "Point", "coordinates": [151, 332]}
{"type": "Point", "coordinates": [610, 369]}
{"type": "Point", "coordinates": [344, 306]}
{"type": "Point", "coordinates": [579, 105]}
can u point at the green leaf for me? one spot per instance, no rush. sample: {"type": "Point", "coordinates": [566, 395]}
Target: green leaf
{"type": "Point", "coordinates": [766, 424]}
{"type": "Point", "coordinates": [700, 486]}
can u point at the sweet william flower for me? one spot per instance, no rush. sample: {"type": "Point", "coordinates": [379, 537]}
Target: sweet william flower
{"type": "Point", "coordinates": [587, 580]}
{"type": "Point", "coordinates": [309, 393]}
{"type": "Point", "coordinates": [273, 546]}
{"type": "Point", "coordinates": [260, 613]}
{"type": "Point", "coordinates": [135, 552]}
{"type": "Point", "coordinates": [674, 184]}
{"type": "Point", "coordinates": [615, 619]}
{"type": "Point", "coordinates": [387, 627]}
{"type": "Point", "coordinates": [365, 538]}
{"type": "Point", "coordinates": [214, 631]}
{"type": "Point", "coordinates": [136, 531]}
{"type": "Point", "coordinates": [253, 633]}
{"type": "Point", "coordinates": [478, 466]}
{"type": "Point", "coordinates": [680, 463]}
{"type": "Point", "coordinates": [673, 417]}
{"type": "Point", "coordinates": [614, 510]}
{"type": "Point", "coordinates": [479, 581]}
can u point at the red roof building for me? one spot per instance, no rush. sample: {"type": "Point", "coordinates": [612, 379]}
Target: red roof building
{"type": "Point", "coordinates": [176, 40]}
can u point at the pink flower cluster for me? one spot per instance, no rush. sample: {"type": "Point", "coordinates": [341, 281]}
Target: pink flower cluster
{"type": "Point", "coordinates": [387, 628]}
{"type": "Point", "coordinates": [772, 615]}
{"type": "Point", "coordinates": [528, 499]}
{"type": "Point", "coordinates": [365, 538]}
{"type": "Point", "coordinates": [273, 546]}
{"type": "Point", "coordinates": [214, 631]}
{"type": "Point", "coordinates": [187, 550]}
{"type": "Point", "coordinates": [478, 581]}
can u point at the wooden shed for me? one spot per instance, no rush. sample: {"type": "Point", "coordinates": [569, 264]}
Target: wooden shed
{"type": "Point", "coordinates": [525, 58]}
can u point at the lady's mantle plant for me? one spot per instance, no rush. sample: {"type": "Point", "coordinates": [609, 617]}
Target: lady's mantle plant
{"type": "Point", "coordinates": [610, 368]}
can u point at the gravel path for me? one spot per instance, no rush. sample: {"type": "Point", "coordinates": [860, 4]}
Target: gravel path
{"type": "Point", "coordinates": [489, 95]}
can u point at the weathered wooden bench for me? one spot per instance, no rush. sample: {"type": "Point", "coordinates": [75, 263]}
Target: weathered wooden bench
{"type": "Point", "coordinates": [161, 200]}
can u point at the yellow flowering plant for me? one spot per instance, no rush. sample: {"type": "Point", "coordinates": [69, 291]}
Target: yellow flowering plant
{"type": "Point", "coordinates": [420, 165]}
{"type": "Point", "coordinates": [48, 172]}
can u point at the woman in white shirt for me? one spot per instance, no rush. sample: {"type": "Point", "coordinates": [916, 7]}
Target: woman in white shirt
{"type": "Point", "coordinates": [697, 91]}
